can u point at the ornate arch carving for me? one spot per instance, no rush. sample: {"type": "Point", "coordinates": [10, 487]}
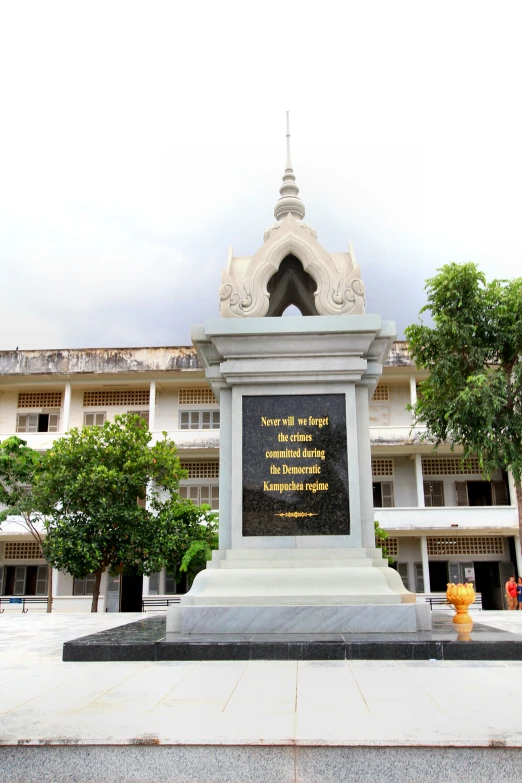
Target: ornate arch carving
{"type": "Point", "coordinates": [339, 288]}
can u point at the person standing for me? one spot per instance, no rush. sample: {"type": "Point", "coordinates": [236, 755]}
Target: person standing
{"type": "Point", "coordinates": [519, 592]}
{"type": "Point", "coordinates": [511, 593]}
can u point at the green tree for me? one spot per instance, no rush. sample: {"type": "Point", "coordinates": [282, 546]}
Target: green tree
{"type": "Point", "coordinates": [89, 488]}
{"type": "Point", "coordinates": [18, 467]}
{"type": "Point", "coordinates": [473, 395]}
{"type": "Point", "coordinates": [382, 535]}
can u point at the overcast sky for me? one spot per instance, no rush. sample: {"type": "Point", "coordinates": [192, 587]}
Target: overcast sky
{"type": "Point", "coordinates": [139, 140]}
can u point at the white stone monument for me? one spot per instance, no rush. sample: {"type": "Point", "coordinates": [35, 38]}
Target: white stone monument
{"type": "Point", "coordinates": [297, 550]}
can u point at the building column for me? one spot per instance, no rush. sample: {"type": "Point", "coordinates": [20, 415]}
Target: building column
{"type": "Point", "coordinates": [66, 408]}
{"type": "Point", "coordinates": [56, 575]}
{"type": "Point", "coordinates": [225, 469]}
{"type": "Point", "coordinates": [152, 406]}
{"type": "Point", "coordinates": [145, 588]}
{"type": "Point", "coordinates": [512, 489]}
{"type": "Point", "coordinates": [413, 390]}
{"type": "Point", "coordinates": [419, 480]}
{"type": "Point", "coordinates": [425, 564]}
{"type": "Point", "coordinates": [364, 466]}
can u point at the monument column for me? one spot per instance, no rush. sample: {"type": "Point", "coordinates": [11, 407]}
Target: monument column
{"type": "Point", "coordinates": [365, 463]}
{"type": "Point", "coordinates": [297, 546]}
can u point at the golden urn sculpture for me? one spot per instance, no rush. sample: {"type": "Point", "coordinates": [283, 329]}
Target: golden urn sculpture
{"type": "Point", "coordinates": [461, 596]}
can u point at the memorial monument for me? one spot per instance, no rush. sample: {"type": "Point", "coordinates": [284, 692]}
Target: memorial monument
{"type": "Point", "coordinates": [296, 550]}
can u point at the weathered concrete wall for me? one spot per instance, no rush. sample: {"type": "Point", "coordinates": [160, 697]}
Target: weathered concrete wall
{"type": "Point", "coordinates": [399, 355]}
{"type": "Point", "coordinates": [98, 360]}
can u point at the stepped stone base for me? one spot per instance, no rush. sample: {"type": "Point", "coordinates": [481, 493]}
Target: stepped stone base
{"type": "Point", "coordinates": [298, 591]}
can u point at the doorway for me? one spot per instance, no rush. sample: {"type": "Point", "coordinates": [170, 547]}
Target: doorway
{"type": "Point", "coordinates": [487, 583]}
{"type": "Point", "coordinates": [131, 593]}
{"type": "Point", "coordinates": [438, 576]}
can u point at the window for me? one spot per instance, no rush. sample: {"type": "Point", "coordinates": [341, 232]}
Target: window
{"type": "Point", "coordinates": [196, 397]}
{"type": "Point", "coordinates": [142, 414]}
{"type": "Point", "coordinates": [84, 586]}
{"type": "Point", "coordinates": [202, 470]}
{"type": "Point", "coordinates": [391, 544]}
{"type": "Point", "coordinates": [199, 420]}
{"type": "Point", "coordinates": [22, 550]}
{"type": "Point", "coordinates": [40, 400]}
{"type": "Point", "coordinates": [121, 397]}
{"type": "Point", "coordinates": [481, 493]}
{"type": "Point", "coordinates": [381, 393]}
{"type": "Point", "coordinates": [173, 587]}
{"type": "Point", "coordinates": [383, 494]}
{"type": "Point", "coordinates": [433, 493]}
{"type": "Point", "coordinates": [154, 583]}
{"type": "Point", "coordinates": [465, 545]}
{"type": "Point", "coordinates": [24, 580]}
{"type": "Point", "coordinates": [419, 578]}
{"type": "Point", "coordinates": [38, 422]}
{"type": "Point", "coordinates": [94, 419]}
{"type": "Point", "coordinates": [382, 467]}
{"type": "Point", "coordinates": [402, 569]}
{"type": "Point", "coordinates": [449, 466]}
{"type": "Point", "coordinates": [206, 493]}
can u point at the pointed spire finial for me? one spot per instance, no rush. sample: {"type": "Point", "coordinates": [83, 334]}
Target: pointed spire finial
{"type": "Point", "coordinates": [289, 201]}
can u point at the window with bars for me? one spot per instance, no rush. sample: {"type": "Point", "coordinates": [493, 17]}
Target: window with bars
{"type": "Point", "coordinates": [383, 494]}
{"type": "Point", "coordinates": [419, 578]}
{"type": "Point", "coordinates": [22, 550]}
{"type": "Point", "coordinates": [154, 583]}
{"type": "Point", "coordinates": [23, 580]}
{"type": "Point", "coordinates": [391, 544]}
{"type": "Point", "coordinates": [94, 419]}
{"type": "Point", "coordinates": [202, 470]}
{"type": "Point", "coordinates": [38, 422]}
{"type": "Point", "coordinates": [84, 586]}
{"type": "Point", "coordinates": [199, 420]}
{"type": "Point", "coordinates": [204, 493]}
{"type": "Point", "coordinates": [121, 397]}
{"type": "Point", "coordinates": [196, 397]}
{"type": "Point", "coordinates": [433, 493]}
{"type": "Point", "coordinates": [465, 545]}
{"type": "Point", "coordinates": [449, 466]}
{"type": "Point", "coordinates": [481, 493]}
{"type": "Point", "coordinates": [381, 393]}
{"type": "Point", "coordinates": [382, 467]}
{"type": "Point", "coordinates": [40, 399]}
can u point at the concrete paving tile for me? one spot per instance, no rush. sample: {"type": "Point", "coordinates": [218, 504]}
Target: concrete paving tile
{"type": "Point", "coordinates": [210, 683]}
{"type": "Point", "coordinates": [395, 695]}
{"type": "Point", "coordinates": [328, 689]}
{"type": "Point", "coordinates": [265, 686]}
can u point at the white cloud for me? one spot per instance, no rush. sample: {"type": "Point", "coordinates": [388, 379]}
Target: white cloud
{"type": "Point", "coordinates": [140, 140]}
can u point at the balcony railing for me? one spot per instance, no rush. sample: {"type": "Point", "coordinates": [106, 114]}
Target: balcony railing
{"type": "Point", "coordinates": [449, 518]}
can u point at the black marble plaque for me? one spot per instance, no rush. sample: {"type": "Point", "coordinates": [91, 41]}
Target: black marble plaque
{"type": "Point", "coordinates": [295, 465]}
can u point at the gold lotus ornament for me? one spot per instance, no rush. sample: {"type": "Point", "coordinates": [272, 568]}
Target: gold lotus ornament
{"type": "Point", "coordinates": [461, 596]}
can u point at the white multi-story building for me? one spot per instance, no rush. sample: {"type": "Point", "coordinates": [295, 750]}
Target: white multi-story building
{"type": "Point", "coordinates": [445, 521]}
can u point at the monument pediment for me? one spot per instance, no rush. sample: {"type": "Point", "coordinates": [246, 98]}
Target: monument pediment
{"type": "Point", "coordinates": [245, 290]}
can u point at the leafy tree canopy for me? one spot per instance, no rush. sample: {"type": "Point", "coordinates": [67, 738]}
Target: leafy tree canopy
{"type": "Point", "coordinates": [18, 465]}
{"type": "Point", "coordinates": [473, 395]}
{"type": "Point", "coordinates": [89, 487]}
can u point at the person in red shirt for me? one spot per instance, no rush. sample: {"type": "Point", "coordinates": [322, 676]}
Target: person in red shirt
{"type": "Point", "coordinates": [511, 593]}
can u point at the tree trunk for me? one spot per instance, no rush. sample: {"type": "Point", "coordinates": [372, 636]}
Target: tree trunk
{"type": "Point", "coordinates": [518, 488]}
{"type": "Point", "coordinates": [96, 591]}
{"type": "Point", "coordinates": [49, 588]}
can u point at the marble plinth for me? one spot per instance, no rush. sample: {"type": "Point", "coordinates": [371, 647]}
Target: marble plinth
{"type": "Point", "coordinates": [350, 590]}
{"type": "Point", "coordinates": [384, 618]}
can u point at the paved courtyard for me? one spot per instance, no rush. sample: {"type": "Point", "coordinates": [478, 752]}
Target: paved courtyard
{"type": "Point", "coordinates": [430, 703]}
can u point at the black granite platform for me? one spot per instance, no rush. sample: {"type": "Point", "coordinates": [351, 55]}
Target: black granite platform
{"type": "Point", "coordinates": [147, 640]}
